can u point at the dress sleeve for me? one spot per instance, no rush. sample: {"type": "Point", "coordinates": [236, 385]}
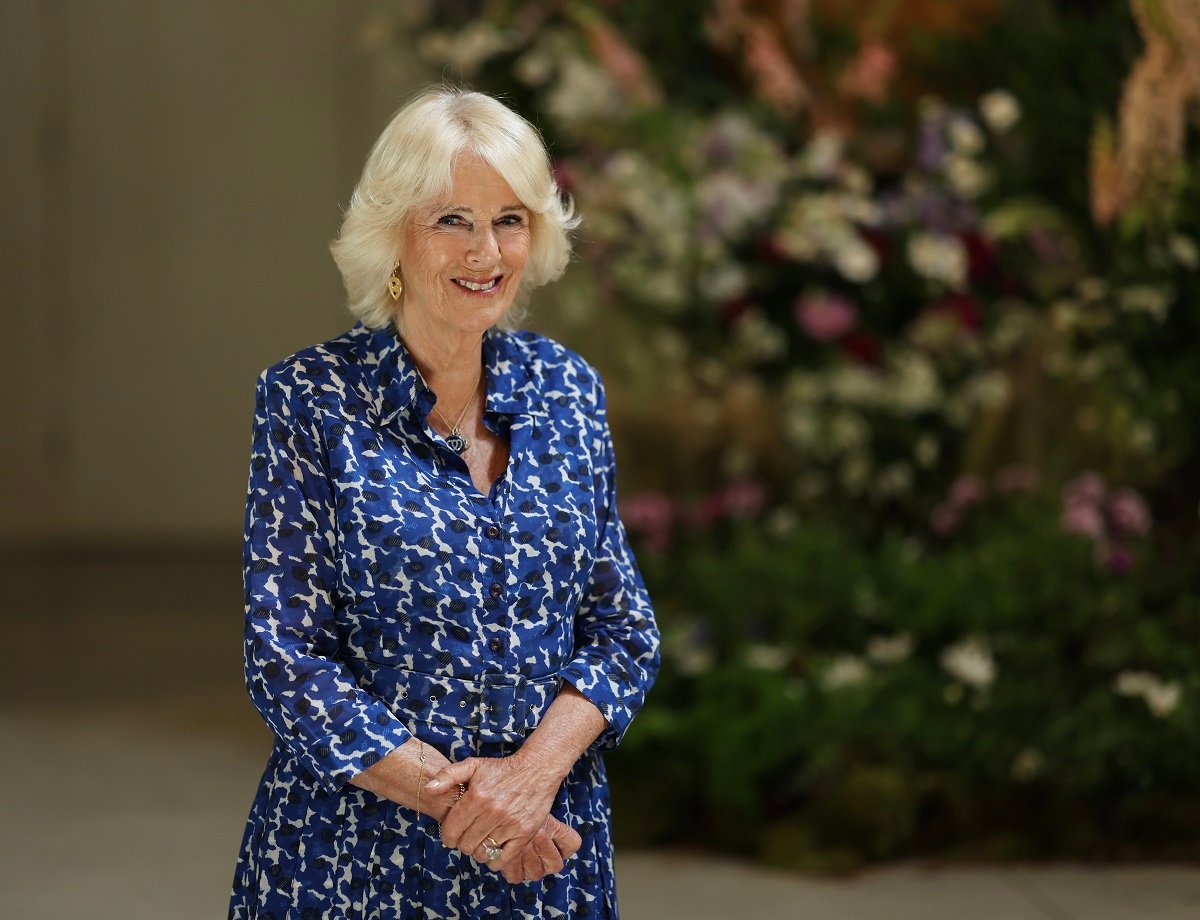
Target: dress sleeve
{"type": "Point", "coordinates": [616, 639]}
{"type": "Point", "coordinates": [294, 676]}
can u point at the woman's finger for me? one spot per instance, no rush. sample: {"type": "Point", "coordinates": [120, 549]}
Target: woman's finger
{"type": "Point", "coordinates": [549, 859]}
{"type": "Point", "coordinates": [453, 774]}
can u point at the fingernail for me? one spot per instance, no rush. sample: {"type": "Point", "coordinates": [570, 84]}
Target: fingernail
{"type": "Point", "coordinates": [433, 784]}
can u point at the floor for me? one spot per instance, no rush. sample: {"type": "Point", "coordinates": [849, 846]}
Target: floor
{"type": "Point", "coordinates": [132, 755]}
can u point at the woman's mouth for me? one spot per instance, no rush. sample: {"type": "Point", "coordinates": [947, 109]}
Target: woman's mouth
{"type": "Point", "coordinates": [479, 287]}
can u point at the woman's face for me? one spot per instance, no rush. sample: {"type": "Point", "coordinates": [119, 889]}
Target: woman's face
{"type": "Point", "coordinates": [461, 259]}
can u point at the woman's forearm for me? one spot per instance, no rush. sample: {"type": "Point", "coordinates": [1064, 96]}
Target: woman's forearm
{"type": "Point", "coordinates": [570, 725]}
{"type": "Point", "coordinates": [399, 775]}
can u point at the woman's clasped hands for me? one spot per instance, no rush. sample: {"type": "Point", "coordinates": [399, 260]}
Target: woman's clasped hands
{"type": "Point", "coordinates": [506, 807]}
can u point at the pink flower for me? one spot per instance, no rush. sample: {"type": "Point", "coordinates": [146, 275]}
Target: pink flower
{"type": "Point", "coordinates": [650, 515]}
{"type": "Point", "coordinates": [1128, 512]}
{"type": "Point", "coordinates": [867, 76]}
{"type": "Point", "coordinates": [945, 519]}
{"type": "Point", "coordinates": [825, 317]}
{"type": "Point", "coordinates": [708, 510]}
{"type": "Point", "coordinates": [1085, 489]}
{"type": "Point", "coordinates": [777, 79]}
{"type": "Point", "coordinates": [1085, 519]}
{"type": "Point", "coordinates": [622, 62]}
{"type": "Point", "coordinates": [1016, 478]}
{"type": "Point", "coordinates": [744, 498]}
{"type": "Point", "coordinates": [968, 489]}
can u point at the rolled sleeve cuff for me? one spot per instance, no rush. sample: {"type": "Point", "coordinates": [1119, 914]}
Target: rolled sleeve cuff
{"type": "Point", "coordinates": [599, 689]}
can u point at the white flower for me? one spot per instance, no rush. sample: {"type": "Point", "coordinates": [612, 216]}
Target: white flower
{"type": "Point", "coordinates": [782, 523]}
{"type": "Point", "coordinates": [856, 261]}
{"type": "Point", "coordinates": [1161, 697]}
{"type": "Point", "coordinates": [1028, 764]}
{"type": "Point", "coordinates": [1000, 110]}
{"type": "Point", "coordinates": [1185, 251]}
{"type": "Point", "coordinates": [848, 430]}
{"type": "Point", "coordinates": [821, 157]}
{"type": "Point", "coordinates": [846, 671]}
{"type": "Point", "coordinates": [965, 136]}
{"type": "Point", "coordinates": [766, 657]}
{"type": "Point", "coordinates": [939, 257]}
{"type": "Point", "coordinates": [855, 472]}
{"type": "Point", "coordinates": [1152, 299]}
{"type": "Point", "coordinates": [894, 480]}
{"type": "Point", "coordinates": [989, 390]}
{"type": "Point", "coordinates": [582, 92]}
{"type": "Point", "coordinates": [694, 661]}
{"type": "Point", "coordinates": [890, 649]}
{"type": "Point", "coordinates": [971, 662]}
{"type": "Point", "coordinates": [914, 385]}
{"type": "Point", "coordinates": [534, 67]}
{"type": "Point", "coordinates": [468, 49]}
{"type": "Point", "coordinates": [724, 282]}
{"type": "Point", "coordinates": [926, 451]}
{"type": "Point", "coordinates": [758, 338]}
{"type": "Point", "coordinates": [966, 176]}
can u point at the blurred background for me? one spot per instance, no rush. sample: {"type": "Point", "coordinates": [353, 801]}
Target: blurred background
{"type": "Point", "coordinates": [898, 306]}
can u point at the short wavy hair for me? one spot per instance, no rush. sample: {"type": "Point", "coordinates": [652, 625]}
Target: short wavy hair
{"type": "Point", "coordinates": [411, 165]}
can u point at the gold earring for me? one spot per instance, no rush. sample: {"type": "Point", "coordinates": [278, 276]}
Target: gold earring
{"type": "Point", "coordinates": [395, 284]}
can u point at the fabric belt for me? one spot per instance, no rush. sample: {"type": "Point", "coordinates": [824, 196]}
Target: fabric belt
{"type": "Point", "coordinates": [499, 707]}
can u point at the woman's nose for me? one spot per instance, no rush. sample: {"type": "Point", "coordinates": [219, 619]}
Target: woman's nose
{"type": "Point", "coordinates": [483, 247]}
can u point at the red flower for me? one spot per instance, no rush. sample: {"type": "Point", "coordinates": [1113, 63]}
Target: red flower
{"type": "Point", "coordinates": [981, 256]}
{"type": "Point", "coordinates": [862, 348]}
{"type": "Point", "coordinates": [962, 307]}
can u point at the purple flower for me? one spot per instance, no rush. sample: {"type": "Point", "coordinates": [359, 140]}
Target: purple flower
{"type": "Point", "coordinates": [825, 317]}
{"type": "Point", "coordinates": [1128, 512]}
{"type": "Point", "coordinates": [1120, 559]}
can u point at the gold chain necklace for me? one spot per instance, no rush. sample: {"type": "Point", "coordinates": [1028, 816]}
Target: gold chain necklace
{"type": "Point", "coordinates": [456, 440]}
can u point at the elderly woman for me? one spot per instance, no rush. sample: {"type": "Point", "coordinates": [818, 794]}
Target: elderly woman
{"type": "Point", "coordinates": [444, 623]}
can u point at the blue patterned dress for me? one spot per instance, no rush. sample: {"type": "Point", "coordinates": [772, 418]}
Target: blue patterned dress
{"type": "Point", "coordinates": [387, 598]}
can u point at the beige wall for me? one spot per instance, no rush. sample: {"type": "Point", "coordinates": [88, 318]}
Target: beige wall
{"type": "Point", "coordinates": [172, 174]}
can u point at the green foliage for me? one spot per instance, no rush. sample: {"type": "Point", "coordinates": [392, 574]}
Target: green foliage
{"type": "Point", "coordinates": [813, 710]}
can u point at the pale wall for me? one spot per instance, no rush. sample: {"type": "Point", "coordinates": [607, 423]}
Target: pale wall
{"type": "Point", "coordinates": [172, 174]}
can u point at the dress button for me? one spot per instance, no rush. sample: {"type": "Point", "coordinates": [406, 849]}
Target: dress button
{"type": "Point", "coordinates": [496, 590]}
{"type": "Point", "coordinates": [496, 645]}
{"type": "Point", "coordinates": [492, 532]}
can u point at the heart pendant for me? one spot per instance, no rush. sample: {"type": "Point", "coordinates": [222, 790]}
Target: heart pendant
{"type": "Point", "coordinates": [457, 442]}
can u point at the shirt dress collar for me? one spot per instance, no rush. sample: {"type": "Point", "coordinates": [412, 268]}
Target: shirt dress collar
{"type": "Point", "coordinates": [514, 385]}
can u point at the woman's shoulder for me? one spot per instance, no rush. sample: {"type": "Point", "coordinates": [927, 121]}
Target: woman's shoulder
{"type": "Point", "coordinates": [331, 358]}
{"type": "Point", "coordinates": [556, 365]}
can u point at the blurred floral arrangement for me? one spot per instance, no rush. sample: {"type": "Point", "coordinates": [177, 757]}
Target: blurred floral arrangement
{"type": "Point", "coordinates": [905, 419]}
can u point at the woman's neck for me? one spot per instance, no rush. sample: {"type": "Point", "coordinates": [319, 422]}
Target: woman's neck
{"type": "Point", "coordinates": [449, 362]}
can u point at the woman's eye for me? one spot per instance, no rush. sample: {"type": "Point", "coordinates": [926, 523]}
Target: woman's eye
{"type": "Point", "coordinates": [451, 220]}
{"type": "Point", "coordinates": [511, 220]}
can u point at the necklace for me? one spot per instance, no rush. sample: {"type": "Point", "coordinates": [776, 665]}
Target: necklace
{"type": "Point", "coordinates": [456, 440]}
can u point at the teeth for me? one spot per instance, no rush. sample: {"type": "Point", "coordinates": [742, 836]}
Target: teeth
{"type": "Point", "coordinates": [472, 286]}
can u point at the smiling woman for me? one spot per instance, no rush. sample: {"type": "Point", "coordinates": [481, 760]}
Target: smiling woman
{"type": "Point", "coordinates": [444, 622]}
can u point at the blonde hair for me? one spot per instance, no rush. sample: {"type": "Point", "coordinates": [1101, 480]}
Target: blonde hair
{"type": "Point", "coordinates": [412, 164]}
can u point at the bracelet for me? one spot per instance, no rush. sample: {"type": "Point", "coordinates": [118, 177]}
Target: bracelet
{"type": "Point", "coordinates": [421, 773]}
